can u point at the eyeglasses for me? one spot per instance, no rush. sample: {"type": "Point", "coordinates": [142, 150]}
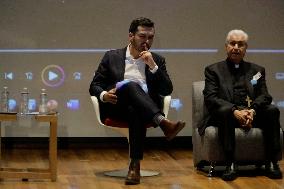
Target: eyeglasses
{"type": "Point", "coordinates": [240, 44]}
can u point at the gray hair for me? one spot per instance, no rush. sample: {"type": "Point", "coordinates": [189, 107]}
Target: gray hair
{"type": "Point", "coordinates": [236, 32]}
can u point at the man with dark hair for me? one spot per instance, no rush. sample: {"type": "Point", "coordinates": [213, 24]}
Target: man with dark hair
{"type": "Point", "coordinates": [129, 83]}
{"type": "Point", "coordinates": [145, 22]}
{"type": "Point", "coordinates": [236, 95]}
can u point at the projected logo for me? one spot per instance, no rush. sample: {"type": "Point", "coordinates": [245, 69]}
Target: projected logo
{"type": "Point", "coordinates": [12, 104]}
{"type": "Point", "coordinates": [176, 104]}
{"type": "Point", "coordinates": [280, 104]}
{"type": "Point", "coordinates": [279, 76]}
{"type": "Point", "coordinates": [73, 104]}
{"type": "Point", "coordinates": [53, 75]}
{"type": "Point", "coordinates": [32, 104]}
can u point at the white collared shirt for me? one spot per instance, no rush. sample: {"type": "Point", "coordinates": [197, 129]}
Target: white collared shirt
{"type": "Point", "coordinates": [134, 71]}
{"type": "Point", "coordinates": [134, 68]}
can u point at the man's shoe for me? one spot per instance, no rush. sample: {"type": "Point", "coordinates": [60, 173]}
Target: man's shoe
{"type": "Point", "coordinates": [273, 172]}
{"type": "Point", "coordinates": [229, 174]}
{"type": "Point", "coordinates": [133, 176]}
{"type": "Point", "coordinates": [170, 128]}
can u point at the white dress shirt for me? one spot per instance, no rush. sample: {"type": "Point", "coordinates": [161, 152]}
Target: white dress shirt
{"type": "Point", "coordinates": [134, 71]}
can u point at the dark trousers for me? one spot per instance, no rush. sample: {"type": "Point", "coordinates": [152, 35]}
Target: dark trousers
{"type": "Point", "coordinates": [136, 108]}
{"type": "Point", "coordinates": [266, 119]}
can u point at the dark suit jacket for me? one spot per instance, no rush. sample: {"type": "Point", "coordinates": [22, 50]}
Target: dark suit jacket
{"type": "Point", "coordinates": [111, 70]}
{"type": "Point", "coordinates": [218, 91]}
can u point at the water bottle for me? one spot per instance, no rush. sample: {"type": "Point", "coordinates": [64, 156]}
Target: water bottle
{"type": "Point", "coordinates": [24, 106]}
{"type": "Point", "coordinates": [5, 100]}
{"type": "Point", "coordinates": [43, 102]}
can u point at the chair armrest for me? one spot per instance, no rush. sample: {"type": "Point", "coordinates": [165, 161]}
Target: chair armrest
{"type": "Point", "coordinates": [166, 105]}
{"type": "Point", "coordinates": [97, 108]}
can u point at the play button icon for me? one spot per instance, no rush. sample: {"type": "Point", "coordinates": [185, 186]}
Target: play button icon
{"type": "Point", "coordinates": [52, 75]}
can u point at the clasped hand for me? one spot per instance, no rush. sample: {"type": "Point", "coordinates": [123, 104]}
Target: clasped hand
{"type": "Point", "coordinates": [245, 117]}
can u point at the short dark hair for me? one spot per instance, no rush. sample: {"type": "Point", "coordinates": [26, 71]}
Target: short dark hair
{"type": "Point", "coordinates": [141, 21]}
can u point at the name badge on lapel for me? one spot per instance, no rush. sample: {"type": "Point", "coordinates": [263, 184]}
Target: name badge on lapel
{"type": "Point", "coordinates": [255, 78]}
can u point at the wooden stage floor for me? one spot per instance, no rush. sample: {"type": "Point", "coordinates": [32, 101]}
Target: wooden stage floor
{"type": "Point", "coordinates": [83, 169]}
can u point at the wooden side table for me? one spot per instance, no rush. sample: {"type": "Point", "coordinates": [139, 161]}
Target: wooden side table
{"type": "Point", "coordinates": [34, 173]}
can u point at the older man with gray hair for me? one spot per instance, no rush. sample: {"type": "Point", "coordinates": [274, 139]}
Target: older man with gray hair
{"type": "Point", "coordinates": [236, 95]}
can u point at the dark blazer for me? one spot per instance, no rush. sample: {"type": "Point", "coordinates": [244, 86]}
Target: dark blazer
{"type": "Point", "coordinates": [218, 91]}
{"type": "Point", "coordinates": [111, 70]}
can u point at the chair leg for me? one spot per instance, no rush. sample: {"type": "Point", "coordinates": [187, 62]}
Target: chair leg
{"type": "Point", "coordinates": [199, 166]}
{"type": "Point", "coordinates": [123, 173]}
{"type": "Point", "coordinates": [211, 169]}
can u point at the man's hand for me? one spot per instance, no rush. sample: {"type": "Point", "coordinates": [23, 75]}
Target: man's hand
{"type": "Point", "coordinates": [241, 116]}
{"type": "Point", "coordinates": [250, 116]}
{"type": "Point", "coordinates": [245, 117]}
{"type": "Point", "coordinates": [147, 58]}
{"type": "Point", "coordinates": [110, 96]}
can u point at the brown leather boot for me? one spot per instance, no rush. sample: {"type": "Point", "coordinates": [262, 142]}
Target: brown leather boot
{"type": "Point", "coordinates": [133, 176]}
{"type": "Point", "coordinates": [171, 129]}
